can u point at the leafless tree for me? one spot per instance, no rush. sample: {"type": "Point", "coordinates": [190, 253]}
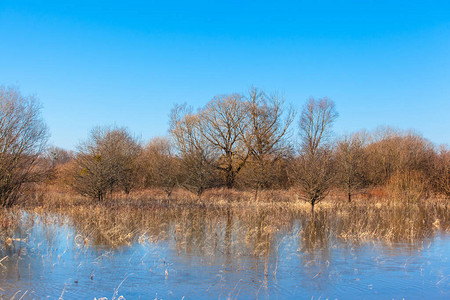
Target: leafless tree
{"type": "Point", "coordinates": [314, 167]}
{"type": "Point", "coordinates": [265, 131]}
{"type": "Point", "coordinates": [316, 123]}
{"type": "Point", "coordinates": [106, 162]}
{"type": "Point", "coordinates": [350, 163]}
{"type": "Point", "coordinates": [58, 156]}
{"type": "Point", "coordinates": [23, 137]}
{"type": "Point", "coordinates": [314, 175]}
{"type": "Point", "coordinates": [159, 165]}
{"type": "Point", "coordinates": [198, 165]}
{"type": "Point", "coordinates": [221, 124]}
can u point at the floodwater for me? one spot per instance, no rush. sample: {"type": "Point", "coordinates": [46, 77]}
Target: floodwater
{"type": "Point", "coordinates": [226, 254]}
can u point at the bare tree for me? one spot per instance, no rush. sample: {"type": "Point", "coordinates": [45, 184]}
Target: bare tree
{"type": "Point", "coordinates": [106, 162]}
{"type": "Point", "coordinates": [196, 154]}
{"type": "Point", "coordinates": [264, 131]}
{"type": "Point", "coordinates": [23, 137]}
{"type": "Point", "coordinates": [221, 124]}
{"type": "Point", "coordinates": [314, 175]}
{"type": "Point", "coordinates": [314, 167]}
{"type": "Point", "coordinates": [316, 123]}
{"type": "Point", "coordinates": [58, 156]}
{"type": "Point", "coordinates": [160, 166]}
{"type": "Point", "coordinates": [350, 162]}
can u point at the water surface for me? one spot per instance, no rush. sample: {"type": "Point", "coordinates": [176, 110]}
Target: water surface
{"type": "Point", "coordinates": [202, 254]}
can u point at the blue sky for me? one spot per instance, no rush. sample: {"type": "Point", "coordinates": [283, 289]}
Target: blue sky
{"type": "Point", "coordinates": [127, 63]}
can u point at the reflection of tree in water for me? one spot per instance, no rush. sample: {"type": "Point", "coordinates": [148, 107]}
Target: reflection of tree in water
{"type": "Point", "coordinates": [315, 232]}
{"type": "Point", "coordinates": [315, 240]}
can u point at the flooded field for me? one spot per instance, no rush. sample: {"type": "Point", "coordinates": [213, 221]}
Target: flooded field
{"type": "Point", "coordinates": [203, 253]}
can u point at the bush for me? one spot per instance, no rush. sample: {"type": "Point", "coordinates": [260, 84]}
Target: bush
{"type": "Point", "coordinates": [407, 186]}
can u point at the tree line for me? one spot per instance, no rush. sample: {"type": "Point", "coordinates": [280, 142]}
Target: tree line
{"type": "Point", "coordinates": [250, 141]}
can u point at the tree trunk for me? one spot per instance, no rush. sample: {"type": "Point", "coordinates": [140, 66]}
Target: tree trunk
{"type": "Point", "coordinates": [230, 179]}
{"type": "Point", "coordinates": [200, 192]}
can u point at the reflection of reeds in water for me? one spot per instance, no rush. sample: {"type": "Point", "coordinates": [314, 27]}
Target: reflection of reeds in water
{"type": "Point", "coordinates": [12, 227]}
{"type": "Point", "coordinates": [231, 229]}
{"type": "Point", "coordinates": [259, 238]}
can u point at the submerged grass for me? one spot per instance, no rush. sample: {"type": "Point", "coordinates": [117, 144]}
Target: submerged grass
{"type": "Point", "coordinates": [223, 224]}
{"type": "Point", "coordinates": [232, 222]}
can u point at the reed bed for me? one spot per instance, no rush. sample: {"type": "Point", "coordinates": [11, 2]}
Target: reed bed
{"type": "Point", "coordinates": [227, 221]}
{"type": "Point", "coordinates": [227, 224]}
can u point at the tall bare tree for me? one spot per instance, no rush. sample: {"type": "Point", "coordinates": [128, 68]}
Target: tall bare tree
{"type": "Point", "coordinates": [23, 137]}
{"type": "Point", "coordinates": [316, 122]}
{"type": "Point", "coordinates": [198, 165]}
{"type": "Point", "coordinates": [221, 124]}
{"type": "Point", "coordinates": [265, 131]}
{"type": "Point", "coordinates": [314, 167]}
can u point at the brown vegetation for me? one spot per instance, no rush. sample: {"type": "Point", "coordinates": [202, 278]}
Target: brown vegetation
{"type": "Point", "coordinates": [158, 166]}
{"type": "Point", "coordinates": [265, 135]}
{"type": "Point", "coordinates": [23, 137]}
{"type": "Point", "coordinates": [222, 123]}
{"type": "Point", "coordinates": [106, 162]}
{"type": "Point", "coordinates": [350, 159]}
{"type": "Point", "coordinates": [208, 224]}
{"type": "Point", "coordinates": [313, 169]}
{"type": "Point", "coordinates": [239, 142]}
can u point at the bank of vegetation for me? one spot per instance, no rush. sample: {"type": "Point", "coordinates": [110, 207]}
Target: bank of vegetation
{"type": "Point", "coordinates": [236, 149]}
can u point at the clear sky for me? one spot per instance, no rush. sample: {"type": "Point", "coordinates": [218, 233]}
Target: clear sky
{"type": "Point", "coordinates": [128, 62]}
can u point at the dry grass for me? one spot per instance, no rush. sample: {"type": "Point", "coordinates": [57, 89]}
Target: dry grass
{"type": "Point", "coordinates": [51, 197]}
{"type": "Point", "coordinates": [228, 221]}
